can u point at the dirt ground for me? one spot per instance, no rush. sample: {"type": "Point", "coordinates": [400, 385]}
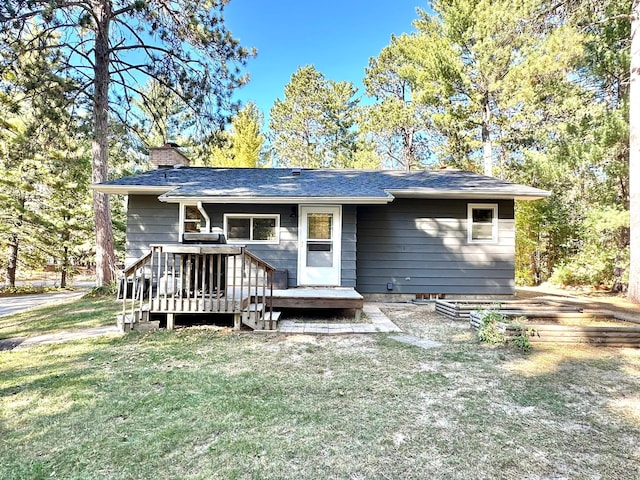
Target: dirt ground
{"type": "Point", "coordinates": [587, 298]}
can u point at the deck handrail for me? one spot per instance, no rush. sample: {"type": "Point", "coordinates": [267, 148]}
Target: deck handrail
{"type": "Point", "coordinates": [208, 278]}
{"type": "Point", "coordinates": [266, 265]}
{"type": "Point", "coordinates": [267, 279]}
{"type": "Point", "coordinates": [137, 263]}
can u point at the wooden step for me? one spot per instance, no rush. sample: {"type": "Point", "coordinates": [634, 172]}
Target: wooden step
{"type": "Point", "coordinates": [254, 307]}
{"type": "Point", "coordinates": [254, 310]}
{"type": "Point", "coordinates": [275, 316]}
{"type": "Point", "coordinates": [151, 326]}
{"type": "Point", "coordinates": [124, 322]}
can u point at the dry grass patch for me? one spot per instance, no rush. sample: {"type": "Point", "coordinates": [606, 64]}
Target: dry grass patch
{"type": "Point", "coordinates": [207, 404]}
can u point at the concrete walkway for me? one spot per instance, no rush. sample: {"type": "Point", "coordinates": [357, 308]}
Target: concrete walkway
{"type": "Point", "coordinates": [379, 323]}
{"type": "Point", "coordinates": [20, 303]}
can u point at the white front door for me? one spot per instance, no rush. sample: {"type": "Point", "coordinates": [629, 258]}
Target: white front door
{"type": "Point", "coordinates": [319, 248]}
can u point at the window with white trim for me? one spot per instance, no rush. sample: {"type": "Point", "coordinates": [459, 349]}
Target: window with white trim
{"type": "Point", "coordinates": [194, 218]}
{"type": "Point", "coordinates": [255, 228]}
{"type": "Point", "coordinates": [482, 222]}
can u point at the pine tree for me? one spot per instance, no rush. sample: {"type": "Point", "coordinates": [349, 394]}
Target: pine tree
{"type": "Point", "coordinates": [107, 46]}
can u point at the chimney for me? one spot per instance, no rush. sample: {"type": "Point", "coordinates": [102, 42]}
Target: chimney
{"type": "Point", "coordinates": [167, 156]}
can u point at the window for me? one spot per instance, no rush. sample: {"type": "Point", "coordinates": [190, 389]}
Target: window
{"type": "Point", "coordinates": [194, 218]}
{"type": "Point", "coordinates": [482, 223]}
{"type": "Point", "coordinates": [252, 228]}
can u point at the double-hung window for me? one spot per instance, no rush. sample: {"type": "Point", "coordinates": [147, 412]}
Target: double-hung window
{"type": "Point", "coordinates": [482, 223]}
{"type": "Point", "coordinates": [240, 228]}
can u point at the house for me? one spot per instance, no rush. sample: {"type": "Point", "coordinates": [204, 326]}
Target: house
{"type": "Point", "coordinates": [371, 233]}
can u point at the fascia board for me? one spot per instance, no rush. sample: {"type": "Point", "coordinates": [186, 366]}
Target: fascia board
{"type": "Point", "coordinates": [467, 194]}
{"type": "Point", "coordinates": [130, 189]}
{"type": "Point", "coordinates": [280, 200]}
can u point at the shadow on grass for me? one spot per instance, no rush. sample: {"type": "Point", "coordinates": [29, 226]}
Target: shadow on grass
{"type": "Point", "coordinates": [83, 313]}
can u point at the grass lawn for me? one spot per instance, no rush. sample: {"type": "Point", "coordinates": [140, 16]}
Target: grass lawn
{"type": "Point", "coordinates": [69, 315]}
{"type": "Point", "coordinates": [205, 403]}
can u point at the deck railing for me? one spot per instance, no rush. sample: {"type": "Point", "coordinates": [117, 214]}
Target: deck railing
{"type": "Point", "coordinates": [214, 279]}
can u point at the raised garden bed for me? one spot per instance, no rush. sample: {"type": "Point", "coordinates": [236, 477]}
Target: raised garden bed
{"type": "Point", "coordinates": [461, 309]}
{"type": "Point", "coordinates": [598, 328]}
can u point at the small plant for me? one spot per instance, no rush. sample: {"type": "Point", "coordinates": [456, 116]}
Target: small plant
{"type": "Point", "coordinates": [492, 330]}
{"type": "Point", "coordinates": [521, 340]}
{"type": "Point", "coordinates": [489, 330]}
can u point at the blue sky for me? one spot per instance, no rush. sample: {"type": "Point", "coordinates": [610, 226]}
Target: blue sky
{"type": "Point", "coordinates": [337, 37]}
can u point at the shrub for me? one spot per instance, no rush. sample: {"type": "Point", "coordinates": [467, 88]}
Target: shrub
{"type": "Point", "coordinates": [489, 331]}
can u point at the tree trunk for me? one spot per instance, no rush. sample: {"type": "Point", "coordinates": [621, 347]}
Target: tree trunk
{"type": "Point", "coordinates": [65, 267]}
{"type": "Point", "coordinates": [487, 154]}
{"type": "Point", "coordinates": [634, 155]}
{"type": "Point", "coordinates": [407, 148]}
{"type": "Point", "coordinates": [105, 255]}
{"type": "Point", "coordinates": [12, 260]}
{"type": "Point", "coordinates": [14, 244]}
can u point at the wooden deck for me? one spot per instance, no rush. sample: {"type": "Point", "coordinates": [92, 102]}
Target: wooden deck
{"type": "Point", "coordinates": [216, 280]}
{"type": "Point", "coordinates": [317, 298]}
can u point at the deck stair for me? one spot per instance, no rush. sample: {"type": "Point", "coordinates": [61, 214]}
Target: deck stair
{"type": "Point", "coordinates": [137, 321]}
{"type": "Point", "coordinates": [256, 318]}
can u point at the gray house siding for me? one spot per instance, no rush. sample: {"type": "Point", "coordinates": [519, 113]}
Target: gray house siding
{"type": "Point", "coordinates": [149, 221]}
{"type": "Point", "coordinates": [283, 255]}
{"type": "Point", "coordinates": [349, 246]}
{"type": "Point", "coordinates": [420, 246]}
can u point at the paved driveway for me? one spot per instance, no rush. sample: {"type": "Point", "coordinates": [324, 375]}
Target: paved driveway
{"type": "Point", "coordinates": [20, 303]}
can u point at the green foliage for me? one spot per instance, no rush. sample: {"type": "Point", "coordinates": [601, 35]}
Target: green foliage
{"type": "Point", "coordinates": [398, 125]}
{"type": "Point", "coordinates": [161, 116]}
{"type": "Point", "coordinates": [242, 145]}
{"type": "Point", "coordinates": [44, 175]}
{"type": "Point", "coordinates": [109, 290]}
{"type": "Point", "coordinates": [489, 330]}
{"type": "Point", "coordinates": [521, 341]}
{"type": "Point", "coordinates": [490, 73]}
{"type": "Point", "coordinates": [601, 254]}
{"type": "Point", "coordinates": [492, 331]}
{"type": "Point", "coordinates": [315, 125]}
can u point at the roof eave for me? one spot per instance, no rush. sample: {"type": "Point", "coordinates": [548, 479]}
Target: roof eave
{"type": "Point", "coordinates": [131, 189]}
{"type": "Point", "coordinates": [469, 194]}
{"type": "Point", "coordinates": [278, 200]}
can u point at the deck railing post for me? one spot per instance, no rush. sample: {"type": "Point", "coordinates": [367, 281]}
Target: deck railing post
{"type": "Point", "coordinates": [264, 295]}
{"type": "Point", "coordinates": [270, 299]}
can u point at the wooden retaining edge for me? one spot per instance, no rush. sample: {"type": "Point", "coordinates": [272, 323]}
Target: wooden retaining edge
{"type": "Point", "coordinates": [612, 313]}
{"type": "Point", "coordinates": [605, 336]}
{"type": "Point", "coordinates": [461, 309]}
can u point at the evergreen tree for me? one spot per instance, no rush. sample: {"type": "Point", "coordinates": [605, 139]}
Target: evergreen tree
{"type": "Point", "coordinates": [398, 125]}
{"type": "Point", "coordinates": [107, 46]}
{"type": "Point", "coordinates": [489, 72]}
{"type": "Point", "coordinates": [242, 145]}
{"type": "Point", "coordinates": [315, 125]}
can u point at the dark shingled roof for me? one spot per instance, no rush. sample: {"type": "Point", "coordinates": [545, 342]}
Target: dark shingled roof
{"type": "Point", "coordinates": [204, 183]}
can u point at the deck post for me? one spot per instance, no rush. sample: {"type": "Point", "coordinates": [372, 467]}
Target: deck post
{"type": "Point", "coordinates": [170, 321]}
{"type": "Point", "coordinates": [237, 321]}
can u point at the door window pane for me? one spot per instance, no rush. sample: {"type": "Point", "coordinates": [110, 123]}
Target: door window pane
{"type": "Point", "coordinates": [319, 226]}
{"type": "Point", "coordinates": [319, 254]}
